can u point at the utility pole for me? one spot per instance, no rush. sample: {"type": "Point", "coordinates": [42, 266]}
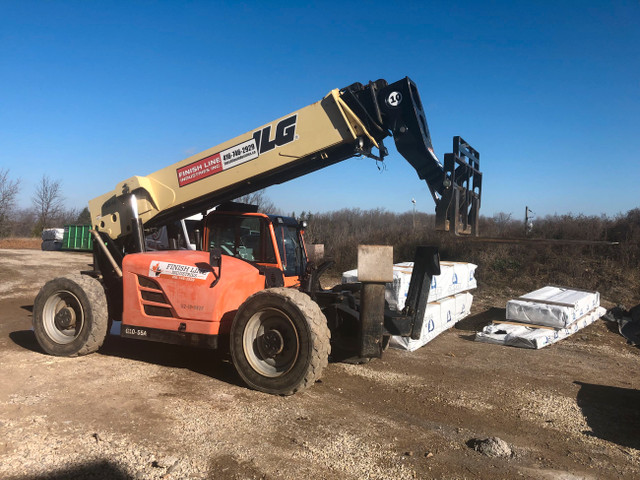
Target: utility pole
{"type": "Point", "coordinates": [413, 200]}
{"type": "Point", "coordinates": [528, 223]}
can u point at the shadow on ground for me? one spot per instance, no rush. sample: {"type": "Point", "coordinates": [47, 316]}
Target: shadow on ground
{"type": "Point", "coordinates": [475, 323]}
{"type": "Point", "coordinates": [612, 413]}
{"type": "Point", "coordinates": [102, 469]}
{"type": "Point", "coordinates": [212, 363]}
{"type": "Point", "coordinates": [25, 339]}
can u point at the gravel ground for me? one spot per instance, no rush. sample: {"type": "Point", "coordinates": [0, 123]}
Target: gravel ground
{"type": "Point", "coordinates": [151, 411]}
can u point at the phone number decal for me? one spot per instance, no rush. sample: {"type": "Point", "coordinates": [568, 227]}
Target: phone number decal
{"type": "Point", "coordinates": [217, 162]}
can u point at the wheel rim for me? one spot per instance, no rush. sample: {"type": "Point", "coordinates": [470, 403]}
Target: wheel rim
{"type": "Point", "coordinates": [271, 343]}
{"type": "Point", "coordinates": [63, 317]}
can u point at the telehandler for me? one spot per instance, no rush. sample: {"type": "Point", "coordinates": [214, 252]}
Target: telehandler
{"type": "Point", "coordinates": [250, 284]}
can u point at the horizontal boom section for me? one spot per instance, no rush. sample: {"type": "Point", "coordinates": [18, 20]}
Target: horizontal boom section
{"type": "Point", "coordinates": [286, 148]}
{"type": "Point", "coordinates": [345, 123]}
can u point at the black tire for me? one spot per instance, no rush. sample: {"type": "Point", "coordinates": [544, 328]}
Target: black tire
{"type": "Point", "coordinates": [70, 316]}
{"type": "Point", "coordinates": [280, 341]}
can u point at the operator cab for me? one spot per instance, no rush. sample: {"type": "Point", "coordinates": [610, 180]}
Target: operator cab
{"type": "Point", "coordinates": [266, 240]}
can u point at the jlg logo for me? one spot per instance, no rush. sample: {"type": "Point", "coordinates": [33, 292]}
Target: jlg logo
{"type": "Point", "coordinates": [285, 133]}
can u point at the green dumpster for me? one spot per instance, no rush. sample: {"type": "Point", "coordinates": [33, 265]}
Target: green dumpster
{"type": "Point", "coordinates": [78, 238]}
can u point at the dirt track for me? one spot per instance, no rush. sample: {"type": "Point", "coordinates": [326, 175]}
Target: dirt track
{"type": "Point", "coordinates": [140, 410]}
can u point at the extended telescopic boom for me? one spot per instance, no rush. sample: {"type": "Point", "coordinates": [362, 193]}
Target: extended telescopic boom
{"type": "Point", "coordinates": [345, 123]}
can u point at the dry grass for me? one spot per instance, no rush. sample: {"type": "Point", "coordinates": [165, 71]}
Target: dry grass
{"type": "Point", "coordinates": [510, 269]}
{"type": "Point", "coordinates": [20, 242]}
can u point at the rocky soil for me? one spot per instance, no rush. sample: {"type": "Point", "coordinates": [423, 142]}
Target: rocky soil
{"type": "Point", "coordinates": [151, 411]}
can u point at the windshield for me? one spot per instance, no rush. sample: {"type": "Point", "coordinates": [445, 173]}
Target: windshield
{"type": "Point", "coordinates": [244, 237]}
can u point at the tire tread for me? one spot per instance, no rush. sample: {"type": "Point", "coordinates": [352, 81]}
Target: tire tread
{"type": "Point", "coordinates": [96, 297]}
{"type": "Point", "coordinates": [320, 334]}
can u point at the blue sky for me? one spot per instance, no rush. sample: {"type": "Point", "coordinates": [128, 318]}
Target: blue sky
{"type": "Point", "coordinates": [548, 92]}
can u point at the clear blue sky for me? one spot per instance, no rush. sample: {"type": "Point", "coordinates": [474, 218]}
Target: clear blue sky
{"type": "Point", "coordinates": [93, 92]}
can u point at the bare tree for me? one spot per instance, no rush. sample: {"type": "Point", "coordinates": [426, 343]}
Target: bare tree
{"type": "Point", "coordinates": [8, 192]}
{"type": "Point", "coordinates": [22, 222]}
{"type": "Point", "coordinates": [47, 202]}
{"type": "Point", "coordinates": [260, 199]}
{"type": "Point", "coordinates": [502, 221]}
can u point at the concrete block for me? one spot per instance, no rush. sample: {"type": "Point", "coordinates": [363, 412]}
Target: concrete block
{"type": "Point", "coordinates": [315, 252]}
{"type": "Point", "coordinates": [375, 263]}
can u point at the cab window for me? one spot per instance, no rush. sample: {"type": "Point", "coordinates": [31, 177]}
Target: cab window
{"type": "Point", "coordinates": [290, 249]}
{"type": "Point", "coordinates": [244, 237]}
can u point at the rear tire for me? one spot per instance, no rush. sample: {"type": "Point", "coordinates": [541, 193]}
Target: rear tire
{"type": "Point", "coordinates": [279, 341]}
{"type": "Point", "coordinates": [70, 316]}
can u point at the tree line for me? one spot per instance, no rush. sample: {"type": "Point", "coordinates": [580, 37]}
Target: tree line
{"type": "Point", "coordinates": [47, 208]}
{"type": "Point", "coordinates": [604, 265]}
{"type": "Point", "coordinates": [341, 231]}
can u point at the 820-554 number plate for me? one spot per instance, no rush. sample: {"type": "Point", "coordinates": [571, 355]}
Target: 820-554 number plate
{"type": "Point", "coordinates": [134, 332]}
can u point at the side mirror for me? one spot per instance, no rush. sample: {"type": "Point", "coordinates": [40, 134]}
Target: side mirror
{"type": "Point", "coordinates": [215, 260]}
{"type": "Point", "coordinates": [215, 257]}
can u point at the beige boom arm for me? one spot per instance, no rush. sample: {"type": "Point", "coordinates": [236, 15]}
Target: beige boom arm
{"type": "Point", "coordinates": [347, 122]}
{"type": "Point", "coordinates": [229, 169]}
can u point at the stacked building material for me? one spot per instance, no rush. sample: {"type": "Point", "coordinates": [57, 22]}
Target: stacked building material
{"type": "Point", "coordinates": [449, 298]}
{"type": "Point", "coordinates": [52, 238]}
{"type": "Point", "coordinates": [543, 317]}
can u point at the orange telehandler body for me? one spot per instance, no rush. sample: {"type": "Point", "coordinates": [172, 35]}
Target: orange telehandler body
{"type": "Point", "coordinates": [250, 281]}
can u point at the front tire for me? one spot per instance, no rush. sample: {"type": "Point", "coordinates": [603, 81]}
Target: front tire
{"type": "Point", "coordinates": [279, 341]}
{"type": "Point", "coordinates": [70, 316]}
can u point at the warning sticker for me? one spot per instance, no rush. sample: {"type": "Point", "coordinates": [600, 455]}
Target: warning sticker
{"type": "Point", "coordinates": [177, 271]}
{"type": "Point", "coordinates": [217, 162]}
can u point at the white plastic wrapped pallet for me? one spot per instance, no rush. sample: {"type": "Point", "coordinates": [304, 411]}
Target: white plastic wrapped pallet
{"type": "Point", "coordinates": [50, 245]}
{"type": "Point", "coordinates": [440, 316]}
{"type": "Point", "coordinates": [52, 239]}
{"type": "Point", "coordinates": [555, 307]}
{"type": "Point", "coordinates": [448, 302]}
{"type": "Point", "coordinates": [529, 337]}
{"type": "Point", "coordinates": [54, 234]}
{"type": "Point", "coordinates": [455, 277]}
